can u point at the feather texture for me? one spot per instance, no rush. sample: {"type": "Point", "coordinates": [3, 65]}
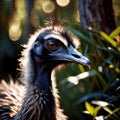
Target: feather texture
{"type": "Point", "coordinates": [35, 106]}
{"type": "Point", "coordinates": [11, 96]}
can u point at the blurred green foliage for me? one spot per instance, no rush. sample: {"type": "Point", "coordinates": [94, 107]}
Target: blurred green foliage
{"type": "Point", "coordinates": [101, 82]}
{"type": "Point", "coordinates": [83, 95]}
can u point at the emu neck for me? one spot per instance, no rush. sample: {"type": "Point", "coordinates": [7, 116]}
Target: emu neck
{"type": "Point", "coordinates": [42, 76]}
{"type": "Point", "coordinates": [39, 102]}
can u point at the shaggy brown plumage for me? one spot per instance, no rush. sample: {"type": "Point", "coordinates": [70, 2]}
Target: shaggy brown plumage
{"type": "Point", "coordinates": [11, 96]}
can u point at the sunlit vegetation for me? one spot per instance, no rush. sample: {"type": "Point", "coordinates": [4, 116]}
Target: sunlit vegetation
{"type": "Point", "coordinates": [86, 94]}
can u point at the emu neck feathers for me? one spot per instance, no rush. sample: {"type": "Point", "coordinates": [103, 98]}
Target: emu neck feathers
{"type": "Point", "coordinates": [42, 77]}
{"type": "Point", "coordinates": [39, 103]}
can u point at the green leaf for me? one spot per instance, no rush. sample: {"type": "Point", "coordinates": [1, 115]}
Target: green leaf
{"type": "Point", "coordinates": [92, 110]}
{"type": "Point", "coordinates": [96, 110]}
{"type": "Point", "coordinates": [110, 40]}
{"type": "Point", "coordinates": [81, 35]}
{"type": "Point", "coordinates": [89, 108]}
{"type": "Point", "coordinates": [115, 32]}
{"type": "Point", "coordinates": [111, 112]}
{"type": "Point", "coordinates": [117, 110]}
{"type": "Point", "coordinates": [108, 109]}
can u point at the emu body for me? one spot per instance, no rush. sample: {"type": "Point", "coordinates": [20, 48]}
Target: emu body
{"type": "Point", "coordinates": [46, 49]}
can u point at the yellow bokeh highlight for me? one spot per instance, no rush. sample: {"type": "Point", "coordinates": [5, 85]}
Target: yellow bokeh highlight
{"type": "Point", "coordinates": [117, 70]}
{"type": "Point", "coordinates": [111, 66]}
{"type": "Point", "coordinates": [15, 30]}
{"type": "Point", "coordinates": [48, 6]}
{"type": "Point", "coordinates": [63, 3]}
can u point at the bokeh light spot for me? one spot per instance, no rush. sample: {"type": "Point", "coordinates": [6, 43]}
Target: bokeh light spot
{"type": "Point", "coordinates": [63, 3]}
{"type": "Point", "coordinates": [48, 6]}
{"type": "Point", "coordinates": [15, 31]}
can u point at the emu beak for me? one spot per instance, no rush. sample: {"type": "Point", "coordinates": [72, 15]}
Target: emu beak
{"type": "Point", "coordinates": [72, 55]}
{"type": "Point", "coordinates": [75, 56]}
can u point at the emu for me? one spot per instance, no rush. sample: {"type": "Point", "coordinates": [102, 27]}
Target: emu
{"type": "Point", "coordinates": [46, 49]}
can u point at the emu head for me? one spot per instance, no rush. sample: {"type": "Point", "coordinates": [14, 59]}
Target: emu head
{"type": "Point", "coordinates": [55, 46]}
{"type": "Point", "coordinates": [49, 47]}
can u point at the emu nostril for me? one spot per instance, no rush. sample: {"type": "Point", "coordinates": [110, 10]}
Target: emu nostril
{"type": "Point", "coordinates": [76, 56]}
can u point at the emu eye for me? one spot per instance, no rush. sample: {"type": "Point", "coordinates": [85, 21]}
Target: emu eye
{"type": "Point", "coordinates": [52, 45]}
